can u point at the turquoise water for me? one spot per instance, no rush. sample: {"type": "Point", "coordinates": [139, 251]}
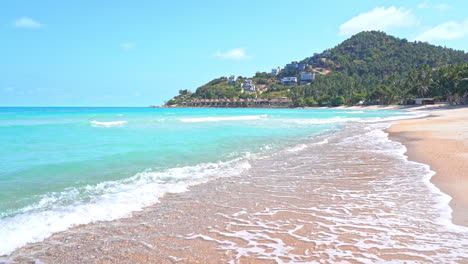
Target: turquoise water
{"type": "Point", "coordinates": [61, 167]}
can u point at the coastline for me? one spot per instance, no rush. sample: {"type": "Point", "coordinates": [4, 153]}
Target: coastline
{"type": "Point", "coordinates": [292, 206]}
{"type": "Point", "coordinates": [441, 141]}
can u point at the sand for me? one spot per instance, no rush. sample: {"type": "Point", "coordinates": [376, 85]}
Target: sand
{"type": "Point", "coordinates": [353, 203]}
{"type": "Point", "coordinates": [440, 140]}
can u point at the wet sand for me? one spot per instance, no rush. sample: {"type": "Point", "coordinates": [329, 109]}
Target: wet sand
{"type": "Point", "coordinates": [349, 198]}
{"type": "Point", "coordinates": [441, 140]}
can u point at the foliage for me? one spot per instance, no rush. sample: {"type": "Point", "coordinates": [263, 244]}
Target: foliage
{"type": "Point", "coordinates": [370, 66]}
{"type": "Point", "coordinates": [309, 101]}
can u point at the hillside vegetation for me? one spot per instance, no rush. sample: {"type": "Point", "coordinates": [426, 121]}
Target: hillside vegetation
{"type": "Point", "coordinates": [369, 67]}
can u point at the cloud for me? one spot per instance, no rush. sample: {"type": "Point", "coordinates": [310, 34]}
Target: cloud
{"type": "Point", "coordinates": [379, 18]}
{"type": "Point", "coordinates": [27, 22]}
{"type": "Point", "coordinates": [128, 46]}
{"type": "Point", "coordinates": [427, 4]}
{"type": "Point", "coordinates": [442, 6]}
{"type": "Point", "coordinates": [234, 54]}
{"type": "Point", "coordinates": [446, 31]}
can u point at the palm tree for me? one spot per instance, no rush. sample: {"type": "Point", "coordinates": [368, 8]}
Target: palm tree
{"type": "Point", "coordinates": [424, 80]}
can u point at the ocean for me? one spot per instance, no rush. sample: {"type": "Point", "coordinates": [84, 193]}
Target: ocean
{"type": "Point", "coordinates": [62, 167]}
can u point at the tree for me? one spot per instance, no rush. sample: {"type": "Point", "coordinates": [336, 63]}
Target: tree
{"type": "Point", "coordinates": [424, 80]}
{"type": "Point", "coordinates": [309, 101]}
{"type": "Point", "coordinates": [338, 100]}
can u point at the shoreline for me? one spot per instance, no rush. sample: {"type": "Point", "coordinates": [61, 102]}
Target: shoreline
{"type": "Point", "coordinates": [342, 107]}
{"type": "Point", "coordinates": [276, 206]}
{"type": "Point", "coordinates": [440, 140]}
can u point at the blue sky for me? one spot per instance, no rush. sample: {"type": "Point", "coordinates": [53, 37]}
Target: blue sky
{"type": "Point", "coordinates": [138, 53]}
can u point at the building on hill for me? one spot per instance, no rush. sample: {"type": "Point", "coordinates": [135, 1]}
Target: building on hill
{"type": "Point", "coordinates": [232, 80]}
{"type": "Point", "coordinates": [275, 71]}
{"type": "Point", "coordinates": [307, 77]}
{"type": "Point", "coordinates": [296, 65]}
{"type": "Point", "coordinates": [248, 86]}
{"type": "Point", "coordinates": [289, 81]}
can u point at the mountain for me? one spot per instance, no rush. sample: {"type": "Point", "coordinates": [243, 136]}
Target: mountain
{"type": "Point", "coordinates": [370, 66]}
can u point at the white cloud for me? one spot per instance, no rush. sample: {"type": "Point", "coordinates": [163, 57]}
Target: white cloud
{"type": "Point", "coordinates": [427, 4]}
{"type": "Point", "coordinates": [26, 22]}
{"type": "Point", "coordinates": [128, 46]}
{"type": "Point", "coordinates": [379, 18]}
{"type": "Point", "coordinates": [446, 31]}
{"type": "Point", "coordinates": [234, 54]}
{"type": "Point", "coordinates": [442, 6]}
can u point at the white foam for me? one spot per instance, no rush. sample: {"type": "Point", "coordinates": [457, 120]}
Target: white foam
{"type": "Point", "coordinates": [217, 119]}
{"type": "Point", "coordinates": [307, 121]}
{"type": "Point", "coordinates": [297, 148]}
{"type": "Point", "coordinates": [442, 199]}
{"type": "Point", "coordinates": [409, 115]}
{"type": "Point", "coordinates": [355, 112]}
{"type": "Point", "coordinates": [108, 124]}
{"type": "Point", "coordinates": [325, 141]}
{"type": "Point", "coordinates": [107, 201]}
{"type": "Point", "coordinates": [385, 145]}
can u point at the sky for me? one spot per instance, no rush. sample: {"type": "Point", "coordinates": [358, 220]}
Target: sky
{"type": "Point", "coordinates": [140, 53]}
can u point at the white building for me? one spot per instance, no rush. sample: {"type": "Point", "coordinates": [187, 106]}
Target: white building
{"type": "Point", "coordinates": [307, 77]}
{"type": "Point", "coordinates": [275, 71]}
{"type": "Point", "coordinates": [248, 86]}
{"type": "Point", "coordinates": [232, 80]}
{"type": "Point", "coordinates": [289, 81]}
{"type": "Point", "coordinates": [296, 65]}
{"type": "Point", "coordinates": [421, 101]}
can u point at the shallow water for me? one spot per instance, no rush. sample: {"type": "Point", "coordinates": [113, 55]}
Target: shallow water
{"type": "Point", "coordinates": [62, 167]}
{"type": "Point", "coordinates": [349, 196]}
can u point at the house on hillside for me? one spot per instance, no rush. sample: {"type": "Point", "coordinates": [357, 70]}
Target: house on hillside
{"type": "Point", "coordinates": [275, 71]}
{"type": "Point", "coordinates": [248, 86]}
{"type": "Point", "coordinates": [289, 81]}
{"type": "Point", "coordinates": [296, 65]}
{"type": "Point", "coordinates": [232, 80]}
{"type": "Point", "coordinates": [307, 77]}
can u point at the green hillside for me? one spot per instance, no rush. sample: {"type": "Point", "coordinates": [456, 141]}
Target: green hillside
{"type": "Point", "coordinates": [370, 67]}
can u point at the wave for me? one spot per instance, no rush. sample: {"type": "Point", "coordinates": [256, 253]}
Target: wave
{"type": "Point", "coordinates": [105, 201]}
{"type": "Point", "coordinates": [311, 121]}
{"type": "Point", "coordinates": [108, 124]}
{"type": "Point", "coordinates": [410, 115]}
{"type": "Point", "coordinates": [217, 119]}
{"type": "Point", "coordinates": [297, 148]}
{"type": "Point", "coordinates": [383, 144]}
{"type": "Point", "coordinates": [355, 112]}
{"type": "Point", "coordinates": [325, 141]}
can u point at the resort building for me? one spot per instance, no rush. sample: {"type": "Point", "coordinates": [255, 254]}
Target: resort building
{"type": "Point", "coordinates": [296, 65]}
{"type": "Point", "coordinates": [232, 80]}
{"type": "Point", "coordinates": [421, 101]}
{"type": "Point", "coordinates": [289, 81]}
{"type": "Point", "coordinates": [307, 77]}
{"type": "Point", "coordinates": [248, 86]}
{"type": "Point", "coordinates": [275, 71]}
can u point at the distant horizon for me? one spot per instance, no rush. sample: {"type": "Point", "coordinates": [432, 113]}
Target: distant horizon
{"type": "Point", "coordinates": [132, 57]}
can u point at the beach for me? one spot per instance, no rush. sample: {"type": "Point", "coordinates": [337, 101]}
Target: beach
{"type": "Point", "coordinates": [349, 195]}
{"type": "Point", "coordinates": [441, 140]}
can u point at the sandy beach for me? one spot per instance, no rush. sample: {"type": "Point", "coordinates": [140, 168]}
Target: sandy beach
{"type": "Point", "coordinates": [440, 140]}
{"type": "Point", "coordinates": [359, 201]}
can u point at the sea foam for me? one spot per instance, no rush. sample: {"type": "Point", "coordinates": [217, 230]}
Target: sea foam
{"type": "Point", "coordinates": [217, 119]}
{"type": "Point", "coordinates": [108, 124]}
{"type": "Point", "coordinates": [107, 201]}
